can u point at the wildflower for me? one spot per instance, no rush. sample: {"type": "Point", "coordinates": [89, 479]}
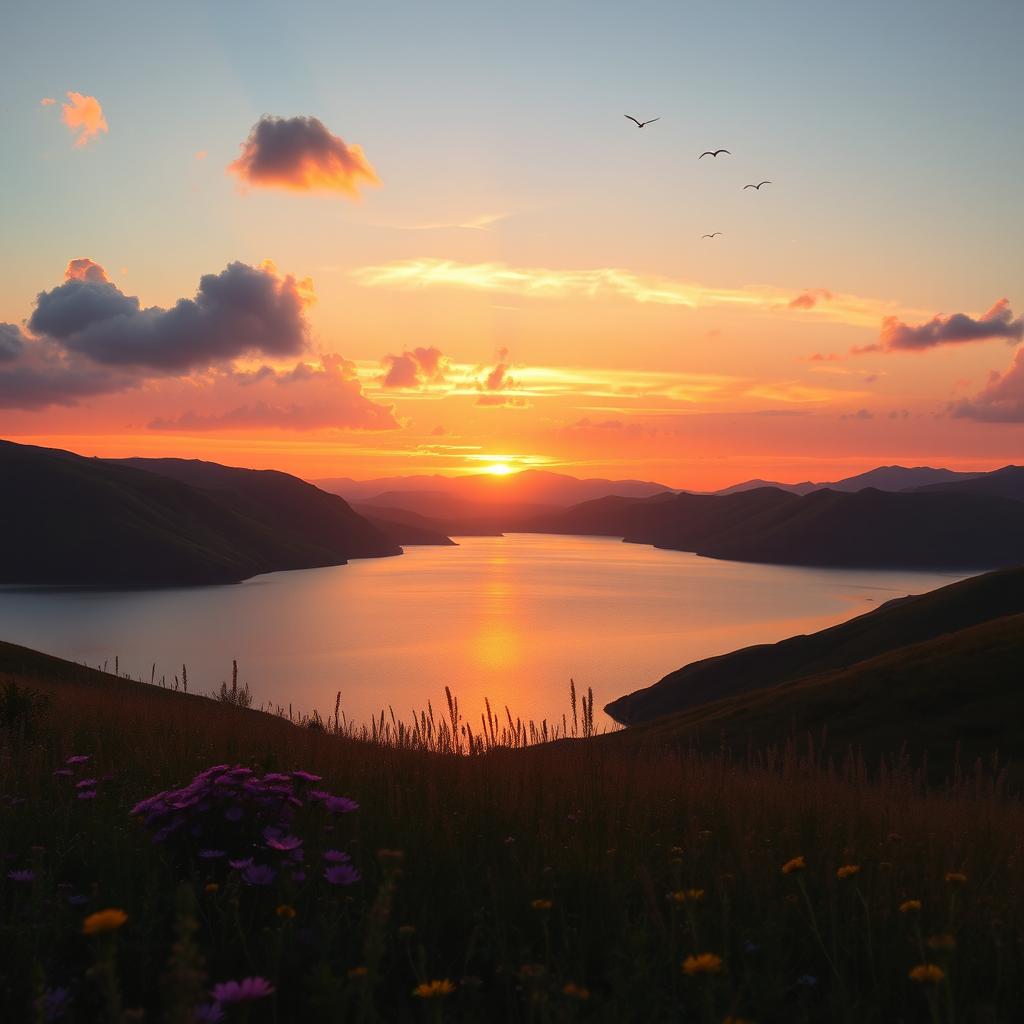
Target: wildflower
{"type": "Point", "coordinates": [285, 911]}
{"type": "Point", "coordinates": [340, 804]}
{"type": "Point", "coordinates": [336, 857]}
{"type": "Point", "coordinates": [944, 942]}
{"type": "Point", "coordinates": [286, 844]}
{"type": "Point", "coordinates": [104, 921]}
{"type": "Point", "coordinates": [242, 991]}
{"type": "Point", "coordinates": [212, 887]}
{"type": "Point", "coordinates": [541, 904]}
{"type": "Point", "coordinates": [306, 776]}
{"type": "Point", "coordinates": [63, 773]}
{"type": "Point", "coordinates": [22, 875]}
{"type": "Point", "coordinates": [686, 896]}
{"type": "Point", "coordinates": [53, 1003]}
{"type": "Point", "coordinates": [212, 854]}
{"type": "Point", "coordinates": [702, 963]}
{"type": "Point", "coordinates": [676, 851]}
{"type": "Point", "coordinates": [848, 871]}
{"type": "Point", "coordinates": [574, 991]}
{"type": "Point", "coordinates": [78, 759]}
{"type": "Point", "coordinates": [258, 874]}
{"type": "Point", "coordinates": [342, 874]}
{"type": "Point", "coordinates": [434, 989]}
{"type": "Point", "coordinates": [910, 906]}
{"type": "Point", "coordinates": [240, 865]}
{"type": "Point", "coordinates": [358, 972]}
{"type": "Point", "coordinates": [86, 784]}
{"type": "Point", "coordinates": [927, 974]}
{"type": "Point", "coordinates": [208, 1013]}
{"type": "Point", "coordinates": [956, 877]}
{"type": "Point", "coordinates": [795, 864]}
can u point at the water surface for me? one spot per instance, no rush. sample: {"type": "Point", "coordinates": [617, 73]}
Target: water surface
{"type": "Point", "coordinates": [510, 618]}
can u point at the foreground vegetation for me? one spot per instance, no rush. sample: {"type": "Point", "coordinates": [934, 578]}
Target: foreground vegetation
{"type": "Point", "coordinates": [614, 878]}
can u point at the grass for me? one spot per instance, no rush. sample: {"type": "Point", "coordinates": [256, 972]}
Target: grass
{"type": "Point", "coordinates": [619, 878]}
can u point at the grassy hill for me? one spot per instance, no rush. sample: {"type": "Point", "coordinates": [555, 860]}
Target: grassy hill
{"type": "Point", "coordinates": [71, 520]}
{"type": "Point", "coordinates": [895, 625]}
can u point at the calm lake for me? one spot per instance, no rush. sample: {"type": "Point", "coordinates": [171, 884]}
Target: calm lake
{"type": "Point", "coordinates": [510, 618]}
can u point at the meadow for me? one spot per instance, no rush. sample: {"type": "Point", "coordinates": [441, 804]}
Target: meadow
{"type": "Point", "coordinates": [312, 870]}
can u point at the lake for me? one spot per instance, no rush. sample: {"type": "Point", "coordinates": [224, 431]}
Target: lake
{"type": "Point", "coordinates": [509, 618]}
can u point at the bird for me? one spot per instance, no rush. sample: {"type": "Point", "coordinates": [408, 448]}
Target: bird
{"type": "Point", "coordinates": [712, 152]}
{"type": "Point", "coordinates": [712, 235]}
{"type": "Point", "coordinates": [758, 186]}
{"type": "Point", "coordinates": [640, 124]}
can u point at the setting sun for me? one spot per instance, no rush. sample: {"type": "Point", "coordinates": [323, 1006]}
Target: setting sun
{"type": "Point", "coordinates": [499, 469]}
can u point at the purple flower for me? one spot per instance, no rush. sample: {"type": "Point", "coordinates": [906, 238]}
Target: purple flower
{"type": "Point", "coordinates": [78, 900]}
{"type": "Point", "coordinates": [298, 876]}
{"type": "Point", "coordinates": [306, 776]}
{"type": "Point", "coordinates": [54, 1003]}
{"type": "Point", "coordinates": [341, 874]}
{"type": "Point", "coordinates": [87, 794]}
{"type": "Point", "coordinates": [208, 1013]}
{"type": "Point", "coordinates": [22, 875]}
{"type": "Point", "coordinates": [240, 865]}
{"type": "Point", "coordinates": [63, 773]}
{"type": "Point", "coordinates": [259, 874]}
{"type": "Point", "coordinates": [284, 844]}
{"type": "Point", "coordinates": [276, 777]}
{"type": "Point", "coordinates": [340, 804]}
{"type": "Point", "coordinates": [78, 759]}
{"type": "Point", "coordinates": [234, 813]}
{"type": "Point", "coordinates": [212, 854]}
{"type": "Point", "coordinates": [336, 857]}
{"type": "Point", "coordinates": [242, 991]}
{"type": "Point", "coordinates": [86, 784]}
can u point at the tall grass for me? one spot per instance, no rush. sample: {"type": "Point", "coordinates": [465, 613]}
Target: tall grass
{"type": "Point", "coordinates": [579, 880]}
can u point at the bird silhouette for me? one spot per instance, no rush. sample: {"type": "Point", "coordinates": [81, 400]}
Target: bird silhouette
{"type": "Point", "coordinates": [640, 124]}
{"type": "Point", "coordinates": [758, 186]}
{"type": "Point", "coordinates": [712, 235]}
{"type": "Point", "coordinates": [712, 152]}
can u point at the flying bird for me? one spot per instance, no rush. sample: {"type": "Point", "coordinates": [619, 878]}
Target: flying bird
{"type": "Point", "coordinates": [758, 186]}
{"type": "Point", "coordinates": [640, 124]}
{"type": "Point", "coordinates": [712, 152]}
{"type": "Point", "coordinates": [712, 235]}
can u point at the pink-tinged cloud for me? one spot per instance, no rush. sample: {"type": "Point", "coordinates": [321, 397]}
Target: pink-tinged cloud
{"type": "Point", "coordinates": [201, 154]}
{"type": "Point", "coordinates": [85, 269]}
{"type": "Point", "coordinates": [47, 101]}
{"type": "Point", "coordinates": [242, 310]}
{"type": "Point", "coordinates": [497, 384]}
{"type": "Point", "coordinates": [417, 368]}
{"type": "Point", "coordinates": [810, 298]}
{"type": "Point", "coordinates": [310, 396]}
{"type": "Point", "coordinates": [998, 322]}
{"type": "Point", "coordinates": [84, 116]}
{"type": "Point", "coordinates": [300, 154]}
{"type": "Point", "coordinates": [12, 342]}
{"type": "Point", "coordinates": [1001, 400]}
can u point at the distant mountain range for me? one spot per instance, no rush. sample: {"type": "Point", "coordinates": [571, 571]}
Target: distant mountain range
{"type": "Point", "coordinates": [71, 520]}
{"type": "Point", "coordinates": [936, 675]}
{"type": "Point", "coordinates": [884, 478]}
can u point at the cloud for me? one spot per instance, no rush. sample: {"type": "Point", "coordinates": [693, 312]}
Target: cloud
{"type": "Point", "coordinates": [242, 309]}
{"type": "Point", "coordinates": [897, 336]}
{"type": "Point", "coordinates": [319, 395]}
{"type": "Point", "coordinates": [482, 222]}
{"type": "Point", "coordinates": [34, 385]}
{"type": "Point", "coordinates": [12, 342]}
{"type": "Point", "coordinates": [414, 369]}
{"type": "Point", "coordinates": [201, 154]}
{"type": "Point", "coordinates": [497, 384]}
{"type": "Point", "coordinates": [300, 154]}
{"type": "Point", "coordinates": [1001, 400]}
{"type": "Point", "coordinates": [47, 101]}
{"type": "Point", "coordinates": [860, 414]}
{"type": "Point", "coordinates": [612, 282]}
{"type": "Point", "coordinates": [810, 298]}
{"type": "Point", "coordinates": [84, 116]}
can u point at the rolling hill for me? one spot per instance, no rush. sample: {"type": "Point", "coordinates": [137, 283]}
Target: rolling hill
{"type": "Point", "coordinates": [1007, 482]}
{"type": "Point", "coordinates": [72, 520]}
{"type": "Point", "coordinates": [883, 632]}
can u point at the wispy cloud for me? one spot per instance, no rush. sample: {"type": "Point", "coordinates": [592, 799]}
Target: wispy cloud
{"type": "Point", "coordinates": [482, 222]}
{"type": "Point", "coordinates": [84, 117]}
{"type": "Point", "coordinates": [546, 283]}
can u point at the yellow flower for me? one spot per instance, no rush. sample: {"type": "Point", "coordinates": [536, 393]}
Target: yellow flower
{"type": "Point", "coordinates": [702, 963]}
{"type": "Point", "coordinates": [211, 887]}
{"type": "Point", "coordinates": [943, 942]}
{"type": "Point", "coordinates": [676, 851]}
{"type": "Point", "coordinates": [541, 904]}
{"type": "Point", "coordinates": [434, 989]}
{"type": "Point", "coordinates": [104, 921]}
{"type": "Point", "coordinates": [927, 974]}
{"type": "Point", "coordinates": [686, 896]}
{"type": "Point", "coordinates": [574, 991]}
{"type": "Point", "coordinates": [956, 877]}
{"type": "Point", "coordinates": [286, 911]}
{"type": "Point", "coordinates": [910, 906]}
{"type": "Point", "coordinates": [848, 871]}
{"type": "Point", "coordinates": [796, 864]}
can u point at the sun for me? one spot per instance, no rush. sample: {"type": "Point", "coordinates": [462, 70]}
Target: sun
{"type": "Point", "coordinates": [498, 469]}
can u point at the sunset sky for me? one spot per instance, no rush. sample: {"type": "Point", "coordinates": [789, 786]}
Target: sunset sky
{"type": "Point", "coordinates": [414, 238]}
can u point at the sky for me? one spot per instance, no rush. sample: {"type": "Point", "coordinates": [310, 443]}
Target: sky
{"type": "Point", "coordinates": [397, 238]}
